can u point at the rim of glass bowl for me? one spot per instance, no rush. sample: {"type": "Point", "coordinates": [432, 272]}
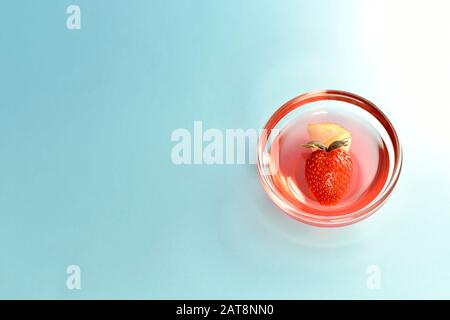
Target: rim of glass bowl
{"type": "Point", "coordinates": [313, 219]}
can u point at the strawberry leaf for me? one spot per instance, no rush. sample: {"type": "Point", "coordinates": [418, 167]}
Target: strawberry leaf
{"type": "Point", "coordinates": [315, 144]}
{"type": "Point", "coordinates": [337, 145]}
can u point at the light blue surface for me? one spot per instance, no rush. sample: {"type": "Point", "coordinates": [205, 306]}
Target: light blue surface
{"type": "Point", "coordinates": [86, 176]}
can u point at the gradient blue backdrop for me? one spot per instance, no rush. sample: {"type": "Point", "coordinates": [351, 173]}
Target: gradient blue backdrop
{"type": "Point", "coordinates": [86, 176]}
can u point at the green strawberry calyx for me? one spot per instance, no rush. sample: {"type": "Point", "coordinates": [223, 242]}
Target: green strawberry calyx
{"type": "Point", "coordinates": [333, 146]}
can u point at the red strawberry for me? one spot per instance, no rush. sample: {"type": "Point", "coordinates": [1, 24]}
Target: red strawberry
{"type": "Point", "coordinates": [328, 172]}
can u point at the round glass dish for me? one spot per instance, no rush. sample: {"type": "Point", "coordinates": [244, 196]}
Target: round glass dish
{"type": "Point", "coordinates": [375, 150]}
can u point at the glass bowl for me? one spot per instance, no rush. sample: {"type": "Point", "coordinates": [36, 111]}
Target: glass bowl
{"type": "Point", "coordinates": [375, 150]}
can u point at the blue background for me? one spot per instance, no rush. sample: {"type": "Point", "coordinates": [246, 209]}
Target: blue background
{"type": "Point", "coordinates": [86, 176]}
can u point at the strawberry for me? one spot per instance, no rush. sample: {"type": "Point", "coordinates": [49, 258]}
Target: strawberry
{"type": "Point", "coordinates": [328, 171]}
